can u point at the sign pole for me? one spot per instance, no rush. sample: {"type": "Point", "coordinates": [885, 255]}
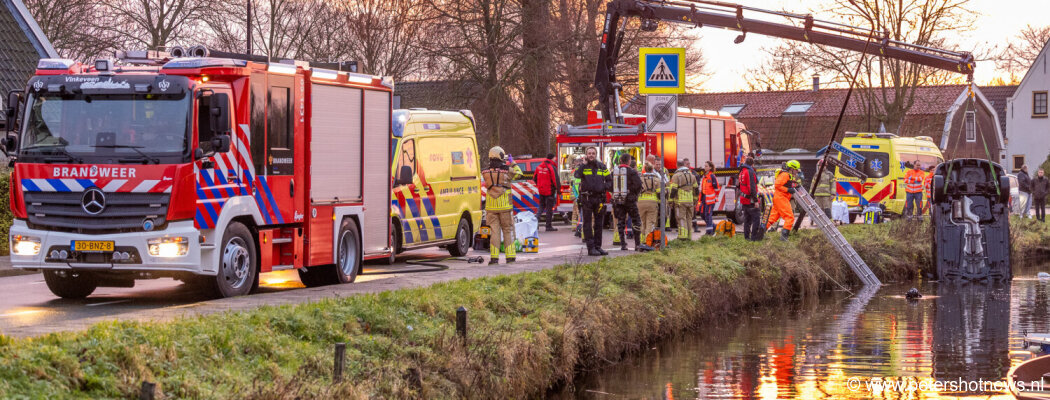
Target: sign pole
{"type": "Point", "coordinates": [663, 196]}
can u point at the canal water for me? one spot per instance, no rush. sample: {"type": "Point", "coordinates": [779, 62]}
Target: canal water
{"type": "Point", "coordinates": [942, 345]}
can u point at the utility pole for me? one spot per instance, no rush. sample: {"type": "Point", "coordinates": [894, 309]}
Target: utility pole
{"type": "Point", "coordinates": [249, 25]}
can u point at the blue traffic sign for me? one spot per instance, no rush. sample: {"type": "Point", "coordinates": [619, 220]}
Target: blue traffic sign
{"type": "Point", "coordinates": [847, 152]}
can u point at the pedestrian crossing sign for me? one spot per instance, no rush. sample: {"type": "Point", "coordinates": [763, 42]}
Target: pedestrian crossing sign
{"type": "Point", "coordinates": [661, 70]}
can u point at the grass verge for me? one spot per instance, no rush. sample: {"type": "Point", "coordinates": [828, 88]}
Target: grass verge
{"type": "Point", "coordinates": [528, 331]}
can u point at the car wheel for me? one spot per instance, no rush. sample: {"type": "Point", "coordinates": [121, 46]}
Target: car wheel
{"type": "Point", "coordinates": [463, 238]}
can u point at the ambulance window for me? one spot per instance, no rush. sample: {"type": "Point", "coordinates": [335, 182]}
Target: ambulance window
{"type": "Point", "coordinates": [407, 157]}
{"type": "Point", "coordinates": [876, 165]}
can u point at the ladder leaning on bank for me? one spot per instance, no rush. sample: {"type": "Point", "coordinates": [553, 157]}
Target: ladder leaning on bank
{"type": "Point", "coordinates": [835, 237]}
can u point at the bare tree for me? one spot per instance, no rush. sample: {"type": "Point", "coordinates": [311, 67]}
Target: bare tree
{"type": "Point", "coordinates": [154, 24]}
{"type": "Point", "coordinates": [891, 83]}
{"type": "Point", "coordinates": [74, 27]}
{"type": "Point", "coordinates": [1023, 50]}
{"type": "Point", "coordinates": [479, 41]}
{"type": "Point", "coordinates": [577, 27]}
{"type": "Point", "coordinates": [782, 72]}
{"type": "Point", "coordinates": [382, 35]}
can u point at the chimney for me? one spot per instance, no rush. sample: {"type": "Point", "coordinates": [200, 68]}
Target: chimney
{"type": "Point", "coordinates": [816, 83]}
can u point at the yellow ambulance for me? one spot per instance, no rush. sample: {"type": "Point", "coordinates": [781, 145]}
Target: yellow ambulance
{"type": "Point", "coordinates": [885, 156]}
{"type": "Point", "coordinates": [436, 189]}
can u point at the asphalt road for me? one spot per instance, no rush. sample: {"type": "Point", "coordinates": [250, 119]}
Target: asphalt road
{"type": "Point", "coordinates": [28, 308]}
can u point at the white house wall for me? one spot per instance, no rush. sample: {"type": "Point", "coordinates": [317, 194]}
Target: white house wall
{"type": "Point", "coordinates": [1027, 135]}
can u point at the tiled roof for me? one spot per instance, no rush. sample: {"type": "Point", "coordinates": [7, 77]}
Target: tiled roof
{"type": "Point", "coordinates": [21, 45]}
{"type": "Point", "coordinates": [997, 95]}
{"type": "Point", "coordinates": [826, 102]}
{"type": "Point", "coordinates": [437, 95]}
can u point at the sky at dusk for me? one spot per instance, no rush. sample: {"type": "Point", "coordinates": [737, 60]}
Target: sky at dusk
{"type": "Point", "coordinates": [997, 22]}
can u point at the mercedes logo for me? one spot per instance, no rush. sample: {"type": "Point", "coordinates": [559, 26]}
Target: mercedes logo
{"type": "Point", "coordinates": [93, 201]}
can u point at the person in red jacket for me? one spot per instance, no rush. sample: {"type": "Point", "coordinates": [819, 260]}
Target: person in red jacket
{"type": "Point", "coordinates": [748, 187]}
{"type": "Point", "coordinates": [548, 183]}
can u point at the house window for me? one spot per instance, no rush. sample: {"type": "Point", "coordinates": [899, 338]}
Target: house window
{"type": "Point", "coordinates": [971, 126]}
{"type": "Point", "coordinates": [733, 109]}
{"type": "Point", "coordinates": [1039, 104]}
{"type": "Point", "coordinates": [798, 108]}
{"type": "Point", "coordinates": [1018, 162]}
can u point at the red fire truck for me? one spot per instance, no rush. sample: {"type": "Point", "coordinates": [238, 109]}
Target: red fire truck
{"type": "Point", "coordinates": [210, 168]}
{"type": "Point", "coordinates": [701, 136]}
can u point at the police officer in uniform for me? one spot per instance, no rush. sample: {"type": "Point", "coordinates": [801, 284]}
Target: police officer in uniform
{"type": "Point", "coordinates": [649, 203]}
{"type": "Point", "coordinates": [683, 186]}
{"type": "Point", "coordinates": [626, 187]}
{"type": "Point", "coordinates": [499, 214]}
{"type": "Point", "coordinates": [595, 182]}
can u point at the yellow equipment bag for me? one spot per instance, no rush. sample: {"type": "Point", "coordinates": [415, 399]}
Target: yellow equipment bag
{"type": "Point", "coordinates": [725, 228]}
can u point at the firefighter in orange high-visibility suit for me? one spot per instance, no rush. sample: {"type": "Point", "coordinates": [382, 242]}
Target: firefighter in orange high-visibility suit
{"type": "Point", "coordinates": [784, 187]}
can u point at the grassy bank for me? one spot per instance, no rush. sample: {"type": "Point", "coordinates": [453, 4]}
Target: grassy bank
{"type": "Point", "coordinates": [527, 331]}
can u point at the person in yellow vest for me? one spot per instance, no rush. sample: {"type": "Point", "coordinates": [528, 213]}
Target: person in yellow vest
{"type": "Point", "coordinates": [683, 183]}
{"type": "Point", "coordinates": [649, 203]}
{"type": "Point", "coordinates": [913, 180]}
{"type": "Point", "coordinates": [499, 212]}
{"type": "Point", "coordinates": [784, 187]}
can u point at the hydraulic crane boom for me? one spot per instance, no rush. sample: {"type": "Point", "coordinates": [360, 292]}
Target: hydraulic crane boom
{"type": "Point", "coordinates": [718, 14]}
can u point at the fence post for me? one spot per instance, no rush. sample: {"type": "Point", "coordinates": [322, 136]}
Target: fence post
{"type": "Point", "coordinates": [461, 323]}
{"type": "Point", "coordinates": [146, 391]}
{"type": "Point", "coordinates": [340, 360]}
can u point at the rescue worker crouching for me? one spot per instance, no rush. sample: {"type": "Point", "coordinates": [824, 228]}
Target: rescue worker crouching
{"type": "Point", "coordinates": [499, 212]}
{"type": "Point", "coordinates": [683, 185]}
{"type": "Point", "coordinates": [595, 182]}
{"type": "Point", "coordinates": [649, 204]}
{"type": "Point", "coordinates": [784, 187]}
{"type": "Point", "coordinates": [627, 185]}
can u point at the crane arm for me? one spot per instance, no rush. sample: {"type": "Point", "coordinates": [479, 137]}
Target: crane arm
{"type": "Point", "coordinates": [719, 14]}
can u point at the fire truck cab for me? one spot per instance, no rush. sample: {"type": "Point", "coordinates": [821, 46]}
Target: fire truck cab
{"type": "Point", "coordinates": [701, 136]}
{"type": "Point", "coordinates": [212, 168]}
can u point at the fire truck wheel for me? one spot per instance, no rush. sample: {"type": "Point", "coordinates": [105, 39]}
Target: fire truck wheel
{"type": "Point", "coordinates": [238, 267]}
{"type": "Point", "coordinates": [70, 284]}
{"type": "Point", "coordinates": [463, 236]}
{"type": "Point", "coordinates": [348, 255]}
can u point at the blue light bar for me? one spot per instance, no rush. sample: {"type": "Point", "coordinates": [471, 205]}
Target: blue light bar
{"type": "Point", "coordinates": [54, 63]}
{"type": "Point", "coordinates": [203, 62]}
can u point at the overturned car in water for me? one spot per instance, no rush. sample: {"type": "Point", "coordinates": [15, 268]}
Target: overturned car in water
{"type": "Point", "coordinates": [971, 221]}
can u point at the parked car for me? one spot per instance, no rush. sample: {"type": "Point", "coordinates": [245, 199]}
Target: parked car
{"type": "Point", "coordinates": [1015, 195]}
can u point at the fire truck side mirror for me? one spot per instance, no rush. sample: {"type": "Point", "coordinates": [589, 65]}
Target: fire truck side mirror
{"type": "Point", "coordinates": [11, 110]}
{"type": "Point", "coordinates": [220, 115]}
{"type": "Point", "coordinates": [220, 143]}
{"type": "Point", "coordinates": [404, 176]}
{"type": "Point", "coordinates": [8, 144]}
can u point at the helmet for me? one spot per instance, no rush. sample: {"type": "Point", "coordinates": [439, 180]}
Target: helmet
{"type": "Point", "coordinates": [497, 153]}
{"type": "Point", "coordinates": [794, 164]}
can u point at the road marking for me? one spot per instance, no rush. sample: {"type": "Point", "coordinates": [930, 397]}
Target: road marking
{"type": "Point", "coordinates": [106, 302]}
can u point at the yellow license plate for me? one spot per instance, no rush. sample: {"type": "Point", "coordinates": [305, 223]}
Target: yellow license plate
{"type": "Point", "coordinates": [850, 199]}
{"type": "Point", "coordinates": [92, 245]}
{"type": "Point", "coordinates": [566, 197]}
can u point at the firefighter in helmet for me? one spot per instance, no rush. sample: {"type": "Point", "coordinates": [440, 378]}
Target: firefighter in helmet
{"type": "Point", "coordinates": [683, 183]}
{"type": "Point", "coordinates": [499, 213]}
{"type": "Point", "coordinates": [784, 187]}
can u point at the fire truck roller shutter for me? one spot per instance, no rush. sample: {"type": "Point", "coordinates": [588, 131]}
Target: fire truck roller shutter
{"type": "Point", "coordinates": [376, 149]}
{"type": "Point", "coordinates": [335, 170]}
{"type": "Point", "coordinates": [686, 138]}
{"type": "Point", "coordinates": [718, 143]}
{"type": "Point", "coordinates": [703, 140]}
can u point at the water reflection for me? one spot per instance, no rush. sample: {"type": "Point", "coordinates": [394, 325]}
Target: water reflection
{"type": "Point", "coordinates": [955, 333]}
